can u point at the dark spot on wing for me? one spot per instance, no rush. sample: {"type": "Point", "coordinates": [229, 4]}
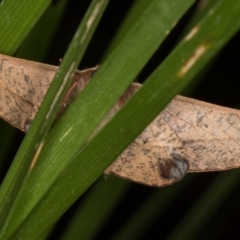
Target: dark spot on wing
{"type": "Point", "coordinates": [173, 168]}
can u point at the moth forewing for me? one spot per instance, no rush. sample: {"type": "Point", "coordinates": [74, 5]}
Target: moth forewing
{"type": "Point", "coordinates": [187, 136]}
{"type": "Point", "coordinates": [210, 133]}
{"type": "Point", "coordinates": [155, 158]}
{"type": "Point", "coordinates": [24, 85]}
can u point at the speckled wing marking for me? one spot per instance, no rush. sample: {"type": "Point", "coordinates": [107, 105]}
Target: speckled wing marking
{"type": "Point", "coordinates": [23, 85]}
{"type": "Point", "coordinates": [187, 136]}
{"type": "Point", "coordinates": [22, 88]}
{"type": "Point", "coordinates": [157, 156]}
{"type": "Point", "coordinates": [210, 134]}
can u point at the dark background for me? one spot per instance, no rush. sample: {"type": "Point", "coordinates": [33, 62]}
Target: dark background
{"type": "Point", "coordinates": [219, 85]}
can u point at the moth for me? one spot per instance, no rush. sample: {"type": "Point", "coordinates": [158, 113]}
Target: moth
{"type": "Point", "coordinates": [187, 136]}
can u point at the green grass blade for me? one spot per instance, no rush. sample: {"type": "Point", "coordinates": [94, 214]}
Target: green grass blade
{"type": "Point", "coordinates": [132, 16]}
{"type": "Point", "coordinates": [17, 18]}
{"type": "Point", "coordinates": [45, 29]}
{"type": "Point", "coordinates": [126, 125]}
{"type": "Point", "coordinates": [40, 126]}
{"type": "Point", "coordinates": [87, 111]}
{"type": "Point", "coordinates": [157, 91]}
{"type": "Point", "coordinates": [9, 20]}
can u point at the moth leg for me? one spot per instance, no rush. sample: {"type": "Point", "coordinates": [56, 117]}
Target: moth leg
{"type": "Point", "coordinates": [73, 85]}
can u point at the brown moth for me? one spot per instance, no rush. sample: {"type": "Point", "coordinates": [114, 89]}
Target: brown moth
{"type": "Point", "coordinates": [187, 136]}
{"type": "Point", "coordinates": [23, 85]}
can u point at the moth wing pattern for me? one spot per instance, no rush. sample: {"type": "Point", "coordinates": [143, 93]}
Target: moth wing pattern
{"type": "Point", "coordinates": [210, 133]}
{"type": "Point", "coordinates": [187, 136]}
{"type": "Point", "coordinates": [22, 88]}
{"type": "Point", "coordinates": [155, 158]}
{"type": "Point", "coordinates": [23, 85]}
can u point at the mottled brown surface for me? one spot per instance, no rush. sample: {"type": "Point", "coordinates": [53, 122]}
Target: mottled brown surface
{"type": "Point", "coordinates": [22, 88]}
{"type": "Point", "coordinates": [188, 136]}
{"type": "Point", "coordinates": [23, 84]}
{"type": "Point", "coordinates": [196, 135]}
